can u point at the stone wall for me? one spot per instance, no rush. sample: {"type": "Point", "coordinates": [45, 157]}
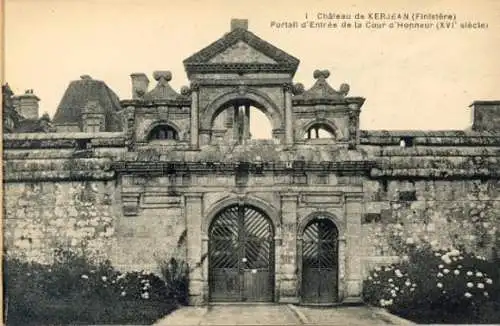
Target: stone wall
{"type": "Point", "coordinates": [41, 216]}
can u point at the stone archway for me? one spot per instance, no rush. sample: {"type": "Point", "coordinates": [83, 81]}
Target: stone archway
{"type": "Point", "coordinates": [321, 249]}
{"type": "Point", "coordinates": [241, 255]}
{"type": "Point", "coordinates": [242, 96]}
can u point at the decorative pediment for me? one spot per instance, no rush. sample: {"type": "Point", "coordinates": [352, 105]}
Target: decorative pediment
{"type": "Point", "coordinates": [163, 90]}
{"type": "Point", "coordinates": [241, 51]}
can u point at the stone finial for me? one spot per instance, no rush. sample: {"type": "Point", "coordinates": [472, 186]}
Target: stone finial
{"type": "Point", "coordinates": [85, 77]}
{"type": "Point", "coordinates": [185, 90]}
{"type": "Point", "coordinates": [321, 74]}
{"type": "Point", "coordinates": [162, 76]}
{"type": "Point", "coordinates": [45, 117]}
{"type": "Point", "coordinates": [344, 89]}
{"type": "Point", "coordinates": [239, 24]}
{"type": "Point", "coordinates": [298, 89]}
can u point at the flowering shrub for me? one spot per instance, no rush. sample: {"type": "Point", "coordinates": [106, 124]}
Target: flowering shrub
{"type": "Point", "coordinates": [447, 282]}
{"type": "Point", "coordinates": [77, 289]}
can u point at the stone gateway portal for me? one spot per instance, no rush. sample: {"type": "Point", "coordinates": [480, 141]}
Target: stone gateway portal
{"type": "Point", "coordinates": [300, 216]}
{"type": "Point", "coordinates": [320, 262]}
{"type": "Point", "coordinates": [241, 252]}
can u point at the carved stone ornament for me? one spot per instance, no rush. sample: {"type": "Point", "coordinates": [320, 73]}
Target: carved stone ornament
{"type": "Point", "coordinates": [321, 74]}
{"type": "Point", "coordinates": [344, 89]}
{"type": "Point", "coordinates": [298, 89]}
{"type": "Point", "coordinates": [287, 87]}
{"type": "Point", "coordinates": [162, 76]}
{"type": "Point", "coordinates": [195, 86]}
{"type": "Point", "coordinates": [185, 90]}
{"type": "Point", "coordinates": [242, 90]}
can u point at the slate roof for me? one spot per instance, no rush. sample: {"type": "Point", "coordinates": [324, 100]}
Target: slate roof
{"type": "Point", "coordinates": [79, 93]}
{"type": "Point", "coordinates": [199, 62]}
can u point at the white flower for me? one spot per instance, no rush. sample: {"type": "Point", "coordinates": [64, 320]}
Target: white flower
{"type": "Point", "coordinates": [398, 273]}
{"type": "Point", "coordinates": [479, 274]}
{"type": "Point", "coordinates": [370, 278]}
{"type": "Point", "coordinates": [407, 283]}
{"type": "Point", "coordinates": [393, 291]}
{"type": "Point", "coordinates": [124, 293]}
{"type": "Point", "coordinates": [454, 252]}
{"type": "Point", "coordinates": [486, 294]}
{"type": "Point", "coordinates": [469, 273]}
{"type": "Point", "coordinates": [468, 295]}
{"type": "Point", "coordinates": [378, 269]}
{"type": "Point", "coordinates": [489, 281]}
{"type": "Point", "coordinates": [412, 289]}
{"type": "Point", "coordinates": [446, 270]}
{"type": "Point", "coordinates": [437, 254]}
{"type": "Point", "coordinates": [410, 241]}
{"type": "Point", "coordinates": [439, 274]}
{"type": "Point", "coordinates": [85, 277]}
{"type": "Point", "coordinates": [440, 285]}
{"type": "Point", "coordinates": [446, 259]}
{"type": "Point", "coordinates": [405, 258]}
{"type": "Point", "coordinates": [390, 280]}
{"type": "Point", "coordinates": [389, 302]}
{"type": "Point", "coordinates": [480, 285]}
{"type": "Point", "coordinates": [469, 284]}
{"type": "Point", "coordinates": [104, 278]}
{"type": "Point", "coordinates": [459, 266]}
{"type": "Point", "coordinates": [145, 295]}
{"type": "Point", "coordinates": [375, 274]}
{"type": "Point", "coordinates": [414, 285]}
{"type": "Point", "coordinates": [441, 266]}
{"type": "Point", "coordinates": [382, 302]}
{"type": "Point", "coordinates": [456, 272]}
{"type": "Point", "coordinates": [394, 295]}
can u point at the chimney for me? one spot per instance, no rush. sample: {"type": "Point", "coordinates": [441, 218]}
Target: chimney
{"type": "Point", "coordinates": [486, 115]}
{"type": "Point", "coordinates": [27, 105]}
{"type": "Point", "coordinates": [239, 23]}
{"type": "Point", "coordinates": [140, 83]}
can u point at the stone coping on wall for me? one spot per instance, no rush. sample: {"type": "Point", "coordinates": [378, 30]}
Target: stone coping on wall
{"type": "Point", "coordinates": [63, 140]}
{"type": "Point", "coordinates": [436, 173]}
{"type": "Point", "coordinates": [430, 138]}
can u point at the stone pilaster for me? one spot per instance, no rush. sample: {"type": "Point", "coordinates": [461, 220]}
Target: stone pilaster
{"type": "Point", "coordinates": [288, 291]}
{"type": "Point", "coordinates": [194, 216]}
{"type": "Point", "coordinates": [288, 114]}
{"type": "Point", "coordinates": [354, 212]}
{"type": "Point", "coordinates": [194, 116]}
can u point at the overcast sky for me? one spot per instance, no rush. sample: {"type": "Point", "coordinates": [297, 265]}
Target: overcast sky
{"type": "Point", "coordinates": [423, 79]}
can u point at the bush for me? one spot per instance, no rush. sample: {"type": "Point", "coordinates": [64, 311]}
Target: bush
{"type": "Point", "coordinates": [77, 289]}
{"type": "Point", "coordinates": [448, 284]}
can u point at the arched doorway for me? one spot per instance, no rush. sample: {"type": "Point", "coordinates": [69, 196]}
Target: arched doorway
{"type": "Point", "coordinates": [320, 261]}
{"type": "Point", "coordinates": [241, 255]}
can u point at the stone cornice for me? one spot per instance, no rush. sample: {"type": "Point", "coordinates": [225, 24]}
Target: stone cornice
{"type": "Point", "coordinates": [326, 101]}
{"type": "Point", "coordinates": [144, 103]}
{"type": "Point", "coordinates": [164, 168]}
{"type": "Point", "coordinates": [276, 82]}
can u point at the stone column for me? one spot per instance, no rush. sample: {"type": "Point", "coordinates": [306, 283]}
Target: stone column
{"type": "Point", "coordinates": [236, 123]}
{"type": "Point", "coordinates": [246, 122]}
{"type": "Point", "coordinates": [194, 216]}
{"type": "Point", "coordinates": [288, 114]}
{"type": "Point", "coordinates": [353, 210]}
{"type": "Point", "coordinates": [288, 292]}
{"type": "Point", "coordinates": [194, 116]}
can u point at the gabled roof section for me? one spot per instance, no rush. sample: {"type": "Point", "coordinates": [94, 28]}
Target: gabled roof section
{"type": "Point", "coordinates": [240, 51]}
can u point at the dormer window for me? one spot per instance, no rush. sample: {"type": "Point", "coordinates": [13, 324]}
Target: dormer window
{"type": "Point", "coordinates": [163, 132]}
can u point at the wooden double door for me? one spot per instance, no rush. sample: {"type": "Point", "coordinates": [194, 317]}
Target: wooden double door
{"type": "Point", "coordinates": [241, 256]}
{"type": "Point", "coordinates": [319, 262]}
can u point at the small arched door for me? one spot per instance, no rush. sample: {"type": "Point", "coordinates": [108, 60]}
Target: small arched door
{"type": "Point", "coordinates": [241, 255]}
{"type": "Point", "coordinates": [319, 262]}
